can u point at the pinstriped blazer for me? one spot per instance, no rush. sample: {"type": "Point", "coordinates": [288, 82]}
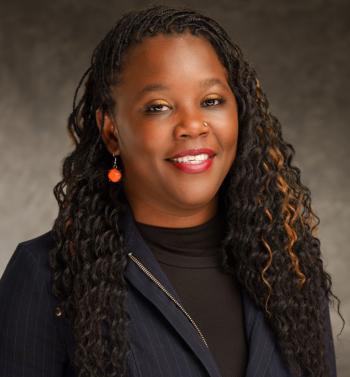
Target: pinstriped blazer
{"type": "Point", "coordinates": [164, 343]}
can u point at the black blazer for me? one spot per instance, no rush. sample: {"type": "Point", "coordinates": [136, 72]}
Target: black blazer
{"type": "Point", "coordinates": [34, 342]}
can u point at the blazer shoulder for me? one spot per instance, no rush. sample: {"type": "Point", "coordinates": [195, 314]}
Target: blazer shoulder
{"type": "Point", "coordinates": [38, 245]}
{"type": "Point", "coordinates": [31, 340]}
{"type": "Point", "coordinates": [33, 252]}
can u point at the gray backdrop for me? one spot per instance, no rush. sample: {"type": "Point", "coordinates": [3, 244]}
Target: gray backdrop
{"type": "Point", "coordinates": [300, 50]}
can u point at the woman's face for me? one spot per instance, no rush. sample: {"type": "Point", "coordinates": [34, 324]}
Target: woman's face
{"type": "Point", "coordinates": [169, 86]}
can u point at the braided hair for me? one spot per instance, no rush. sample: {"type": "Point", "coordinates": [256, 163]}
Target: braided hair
{"type": "Point", "coordinates": [270, 242]}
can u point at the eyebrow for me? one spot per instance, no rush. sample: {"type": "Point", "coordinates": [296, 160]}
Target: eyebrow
{"type": "Point", "coordinates": [204, 84]}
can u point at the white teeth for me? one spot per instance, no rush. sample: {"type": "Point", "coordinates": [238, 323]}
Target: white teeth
{"type": "Point", "coordinates": [192, 159]}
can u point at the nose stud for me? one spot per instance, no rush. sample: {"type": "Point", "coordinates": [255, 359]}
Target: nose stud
{"type": "Point", "coordinates": [205, 124]}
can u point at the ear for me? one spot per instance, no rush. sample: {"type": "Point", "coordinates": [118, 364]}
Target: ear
{"type": "Point", "coordinates": [109, 132]}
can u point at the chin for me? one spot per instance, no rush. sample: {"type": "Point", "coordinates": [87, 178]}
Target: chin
{"type": "Point", "coordinates": [194, 199]}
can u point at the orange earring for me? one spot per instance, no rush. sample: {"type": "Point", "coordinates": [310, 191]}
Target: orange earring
{"type": "Point", "coordinates": [114, 174]}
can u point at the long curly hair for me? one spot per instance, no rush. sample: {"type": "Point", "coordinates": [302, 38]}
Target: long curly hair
{"type": "Point", "coordinates": [270, 244]}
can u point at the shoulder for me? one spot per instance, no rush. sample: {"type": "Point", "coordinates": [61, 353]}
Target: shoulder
{"type": "Point", "coordinates": [25, 285]}
{"type": "Point", "coordinates": [28, 264]}
{"type": "Point", "coordinates": [35, 344]}
{"type": "Point", "coordinates": [37, 247]}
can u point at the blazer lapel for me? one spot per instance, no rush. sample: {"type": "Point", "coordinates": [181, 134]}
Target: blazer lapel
{"type": "Point", "coordinates": [259, 337]}
{"type": "Point", "coordinates": [161, 301]}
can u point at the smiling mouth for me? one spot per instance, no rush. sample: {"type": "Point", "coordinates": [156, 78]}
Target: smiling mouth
{"type": "Point", "coordinates": [192, 165]}
{"type": "Point", "coordinates": [189, 161]}
{"type": "Point", "coordinates": [192, 159]}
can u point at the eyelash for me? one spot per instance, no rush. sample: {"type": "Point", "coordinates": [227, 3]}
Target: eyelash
{"type": "Point", "coordinates": [148, 108]}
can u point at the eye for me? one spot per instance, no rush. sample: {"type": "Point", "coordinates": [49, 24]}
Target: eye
{"type": "Point", "coordinates": [212, 102]}
{"type": "Point", "coordinates": [155, 108]}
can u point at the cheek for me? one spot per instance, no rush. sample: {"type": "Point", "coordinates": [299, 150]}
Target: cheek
{"type": "Point", "coordinates": [154, 139]}
{"type": "Point", "coordinates": [229, 133]}
{"type": "Point", "coordinates": [145, 141]}
{"type": "Point", "coordinates": [233, 135]}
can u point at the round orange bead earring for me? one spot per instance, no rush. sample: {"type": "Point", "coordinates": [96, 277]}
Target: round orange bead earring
{"type": "Point", "coordinates": [114, 174]}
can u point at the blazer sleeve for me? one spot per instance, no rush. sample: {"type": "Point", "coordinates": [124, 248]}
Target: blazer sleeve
{"type": "Point", "coordinates": [330, 351]}
{"type": "Point", "coordinates": [30, 344]}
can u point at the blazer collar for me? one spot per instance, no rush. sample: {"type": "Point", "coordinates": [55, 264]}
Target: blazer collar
{"type": "Point", "coordinates": [259, 337]}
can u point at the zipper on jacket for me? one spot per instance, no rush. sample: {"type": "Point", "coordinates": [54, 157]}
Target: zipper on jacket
{"type": "Point", "coordinates": [159, 284]}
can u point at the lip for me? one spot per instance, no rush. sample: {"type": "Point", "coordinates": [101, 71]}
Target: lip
{"type": "Point", "coordinates": [194, 152]}
{"type": "Point", "coordinates": [193, 168]}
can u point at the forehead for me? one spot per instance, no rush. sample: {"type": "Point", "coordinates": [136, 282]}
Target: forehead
{"type": "Point", "coordinates": [174, 55]}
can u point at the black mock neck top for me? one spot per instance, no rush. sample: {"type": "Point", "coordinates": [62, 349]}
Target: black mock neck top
{"type": "Point", "coordinates": [190, 257]}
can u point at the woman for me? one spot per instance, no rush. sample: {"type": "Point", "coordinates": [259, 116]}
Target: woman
{"type": "Point", "coordinates": [184, 243]}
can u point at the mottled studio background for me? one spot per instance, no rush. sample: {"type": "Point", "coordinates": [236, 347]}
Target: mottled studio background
{"type": "Point", "coordinates": [300, 50]}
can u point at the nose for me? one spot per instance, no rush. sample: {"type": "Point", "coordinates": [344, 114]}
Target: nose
{"type": "Point", "coordinates": [191, 125]}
